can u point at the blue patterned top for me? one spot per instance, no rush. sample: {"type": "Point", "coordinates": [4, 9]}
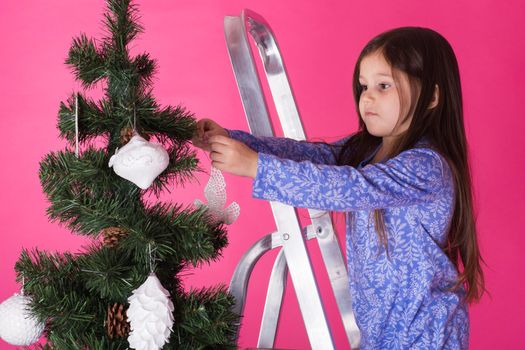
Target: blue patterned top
{"type": "Point", "coordinates": [400, 300]}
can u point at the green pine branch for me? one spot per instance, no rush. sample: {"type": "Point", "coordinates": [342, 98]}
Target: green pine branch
{"type": "Point", "coordinates": [83, 192]}
{"type": "Point", "coordinates": [175, 235]}
{"type": "Point", "coordinates": [87, 196]}
{"type": "Point", "coordinates": [86, 60]}
{"type": "Point", "coordinates": [170, 125]}
{"type": "Point", "coordinates": [111, 274]}
{"type": "Point", "coordinates": [59, 297]}
{"type": "Point", "coordinates": [205, 320]}
{"type": "Point", "coordinates": [121, 20]}
{"type": "Point", "coordinates": [94, 119]}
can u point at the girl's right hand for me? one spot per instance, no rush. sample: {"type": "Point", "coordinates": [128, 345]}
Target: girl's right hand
{"type": "Point", "coordinates": [206, 128]}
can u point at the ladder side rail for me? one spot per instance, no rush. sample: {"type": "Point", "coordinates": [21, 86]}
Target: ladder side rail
{"type": "Point", "coordinates": [247, 78]}
{"type": "Point", "coordinates": [285, 216]}
{"type": "Point", "coordinates": [337, 272]}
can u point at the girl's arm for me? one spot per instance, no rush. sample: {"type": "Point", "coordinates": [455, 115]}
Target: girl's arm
{"type": "Point", "coordinates": [282, 147]}
{"type": "Point", "coordinates": [412, 177]}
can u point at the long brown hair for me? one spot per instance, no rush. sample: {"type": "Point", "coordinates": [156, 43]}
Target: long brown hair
{"type": "Point", "coordinates": [428, 60]}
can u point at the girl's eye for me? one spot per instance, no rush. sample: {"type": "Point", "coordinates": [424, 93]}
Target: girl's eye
{"type": "Point", "coordinates": [383, 86]}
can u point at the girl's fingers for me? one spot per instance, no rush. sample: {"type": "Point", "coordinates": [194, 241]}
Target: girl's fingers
{"type": "Point", "coordinates": [220, 139]}
{"type": "Point", "coordinates": [203, 126]}
{"type": "Point", "coordinates": [209, 126]}
{"type": "Point", "coordinates": [218, 147]}
{"type": "Point", "coordinates": [205, 129]}
{"type": "Point", "coordinates": [217, 157]}
{"type": "Point", "coordinates": [201, 143]}
{"type": "Point", "coordinates": [218, 165]}
{"type": "Point", "coordinates": [197, 142]}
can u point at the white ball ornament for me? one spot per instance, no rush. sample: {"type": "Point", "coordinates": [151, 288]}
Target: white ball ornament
{"type": "Point", "coordinates": [140, 161]}
{"type": "Point", "coordinates": [150, 315]}
{"type": "Point", "coordinates": [17, 325]}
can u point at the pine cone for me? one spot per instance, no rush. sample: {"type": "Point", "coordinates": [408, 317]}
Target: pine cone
{"type": "Point", "coordinates": [127, 133]}
{"type": "Point", "coordinates": [112, 235]}
{"type": "Point", "coordinates": [116, 321]}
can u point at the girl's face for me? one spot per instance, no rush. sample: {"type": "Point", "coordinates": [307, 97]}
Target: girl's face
{"type": "Point", "coordinates": [379, 103]}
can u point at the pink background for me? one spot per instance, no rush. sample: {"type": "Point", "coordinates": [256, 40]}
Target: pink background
{"type": "Point", "coordinates": [320, 42]}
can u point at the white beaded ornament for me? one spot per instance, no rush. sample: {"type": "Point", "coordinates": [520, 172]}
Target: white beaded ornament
{"type": "Point", "coordinates": [17, 325]}
{"type": "Point", "coordinates": [150, 315]}
{"type": "Point", "coordinates": [140, 161]}
{"type": "Point", "coordinates": [215, 193]}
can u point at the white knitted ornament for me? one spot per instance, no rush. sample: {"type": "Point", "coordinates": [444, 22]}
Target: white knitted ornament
{"type": "Point", "coordinates": [150, 315]}
{"type": "Point", "coordinates": [139, 161]}
{"type": "Point", "coordinates": [215, 193]}
{"type": "Point", "coordinates": [17, 325]}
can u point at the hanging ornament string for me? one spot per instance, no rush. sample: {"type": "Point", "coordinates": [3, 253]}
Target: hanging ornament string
{"type": "Point", "coordinates": [151, 261]}
{"type": "Point", "coordinates": [23, 284]}
{"type": "Point", "coordinates": [134, 118]}
{"type": "Point", "coordinates": [76, 124]}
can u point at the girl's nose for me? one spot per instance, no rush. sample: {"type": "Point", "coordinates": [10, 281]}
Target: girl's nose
{"type": "Point", "coordinates": [366, 96]}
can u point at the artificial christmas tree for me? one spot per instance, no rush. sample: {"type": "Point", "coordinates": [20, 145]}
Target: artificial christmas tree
{"type": "Point", "coordinates": [83, 298]}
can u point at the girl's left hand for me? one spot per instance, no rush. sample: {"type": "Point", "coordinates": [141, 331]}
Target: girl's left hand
{"type": "Point", "coordinates": [233, 156]}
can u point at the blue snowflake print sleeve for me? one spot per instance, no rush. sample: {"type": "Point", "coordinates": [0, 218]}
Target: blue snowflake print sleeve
{"type": "Point", "coordinates": [282, 147]}
{"type": "Point", "coordinates": [414, 176]}
{"type": "Point", "coordinates": [402, 296]}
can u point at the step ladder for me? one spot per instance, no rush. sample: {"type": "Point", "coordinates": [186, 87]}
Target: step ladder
{"type": "Point", "coordinates": [293, 256]}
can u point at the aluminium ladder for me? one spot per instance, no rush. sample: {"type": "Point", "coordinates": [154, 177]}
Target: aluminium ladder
{"type": "Point", "coordinates": [293, 256]}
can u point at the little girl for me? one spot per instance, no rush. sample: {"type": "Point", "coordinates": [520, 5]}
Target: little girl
{"type": "Point", "coordinates": [403, 182]}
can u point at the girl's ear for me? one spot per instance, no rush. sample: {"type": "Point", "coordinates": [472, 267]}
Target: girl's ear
{"type": "Point", "coordinates": [435, 98]}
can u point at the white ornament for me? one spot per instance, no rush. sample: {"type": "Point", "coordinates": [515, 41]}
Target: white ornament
{"type": "Point", "coordinates": [150, 315]}
{"type": "Point", "coordinates": [139, 161]}
{"type": "Point", "coordinates": [17, 325]}
{"type": "Point", "coordinates": [215, 193]}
